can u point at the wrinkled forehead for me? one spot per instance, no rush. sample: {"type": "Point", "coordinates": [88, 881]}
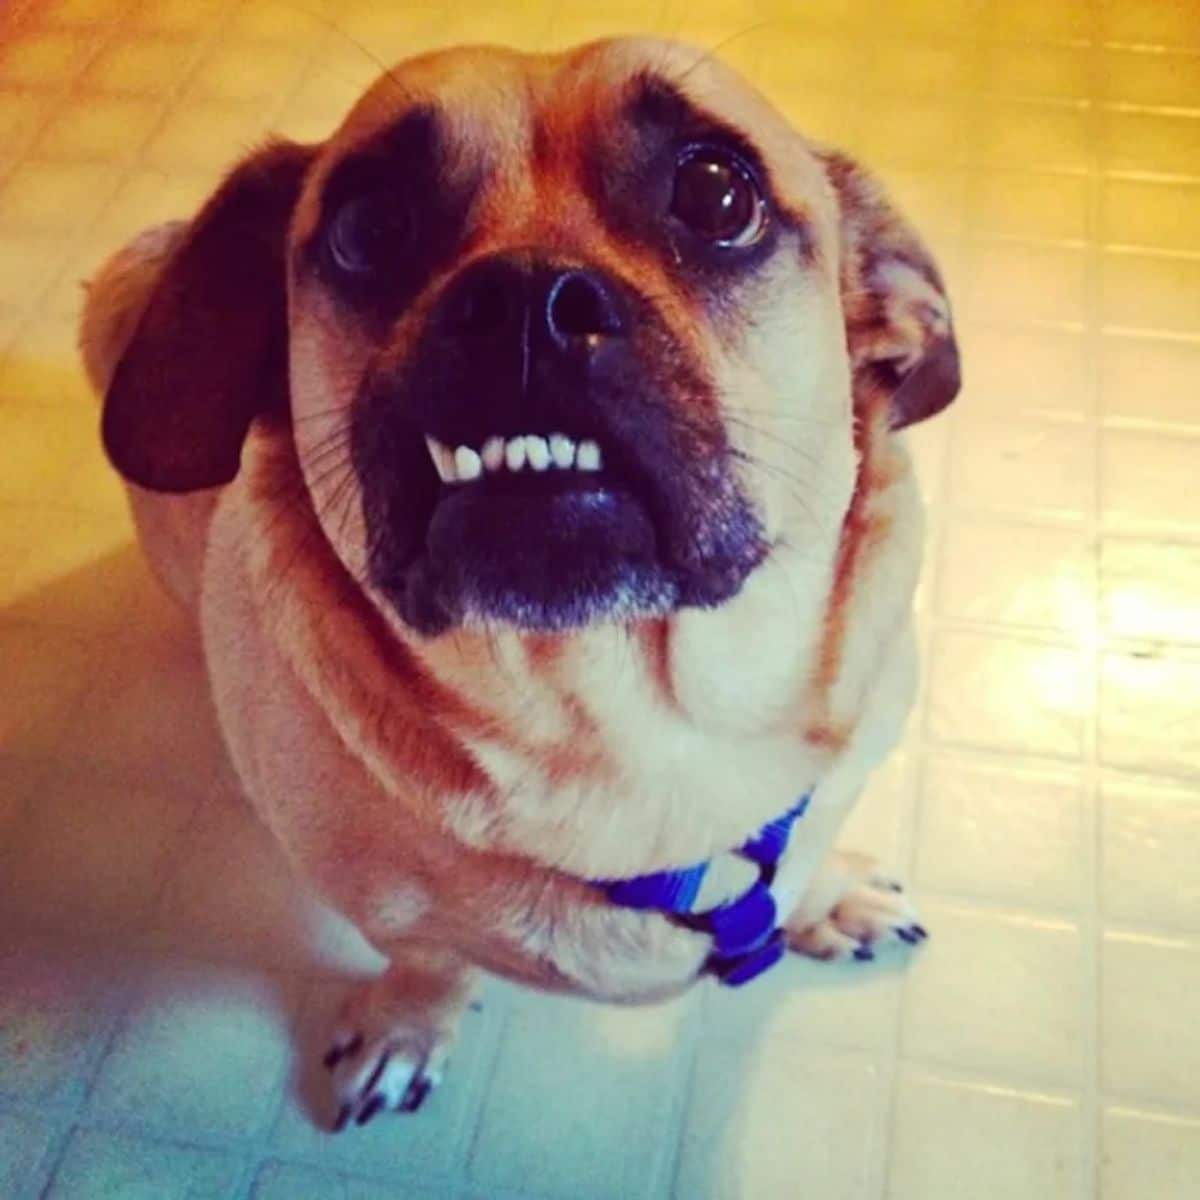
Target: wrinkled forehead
{"type": "Point", "coordinates": [500, 115]}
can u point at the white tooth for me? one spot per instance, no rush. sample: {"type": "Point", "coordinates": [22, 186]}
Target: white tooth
{"type": "Point", "coordinates": [562, 450]}
{"type": "Point", "coordinates": [469, 464]}
{"type": "Point", "coordinates": [514, 454]}
{"type": "Point", "coordinates": [443, 460]}
{"type": "Point", "coordinates": [588, 458]}
{"type": "Point", "coordinates": [493, 453]}
{"type": "Point", "coordinates": [537, 452]}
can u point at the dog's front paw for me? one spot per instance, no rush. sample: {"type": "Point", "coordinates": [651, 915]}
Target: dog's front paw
{"type": "Point", "coordinates": [850, 911]}
{"type": "Point", "coordinates": [392, 1041]}
{"type": "Point", "coordinates": [386, 1071]}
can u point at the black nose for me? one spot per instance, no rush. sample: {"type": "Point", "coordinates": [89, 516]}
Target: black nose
{"type": "Point", "coordinates": [500, 297]}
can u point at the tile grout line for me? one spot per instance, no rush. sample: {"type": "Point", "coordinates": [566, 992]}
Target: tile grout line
{"type": "Point", "coordinates": [111, 30]}
{"type": "Point", "coordinates": [893, 1062]}
{"type": "Point", "coordinates": [1090, 1116]}
{"type": "Point", "coordinates": [670, 1163]}
{"type": "Point", "coordinates": [58, 102]}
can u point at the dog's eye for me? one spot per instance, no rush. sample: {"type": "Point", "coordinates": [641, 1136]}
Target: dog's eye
{"type": "Point", "coordinates": [368, 231]}
{"type": "Point", "coordinates": [716, 197]}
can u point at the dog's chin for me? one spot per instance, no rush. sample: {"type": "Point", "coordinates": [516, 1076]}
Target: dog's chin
{"type": "Point", "coordinates": [542, 560]}
{"type": "Point", "coordinates": [550, 556]}
{"type": "Point", "coordinates": [552, 551]}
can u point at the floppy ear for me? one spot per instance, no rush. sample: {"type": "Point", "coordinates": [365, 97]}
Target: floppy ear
{"type": "Point", "coordinates": [898, 324]}
{"type": "Point", "coordinates": [210, 350]}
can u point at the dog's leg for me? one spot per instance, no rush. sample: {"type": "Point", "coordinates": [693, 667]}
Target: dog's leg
{"type": "Point", "coordinates": [839, 904]}
{"type": "Point", "coordinates": [393, 1038]}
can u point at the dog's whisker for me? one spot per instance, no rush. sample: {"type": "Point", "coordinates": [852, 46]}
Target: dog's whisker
{"type": "Point", "coordinates": [320, 458]}
{"type": "Point", "coordinates": [712, 52]}
{"type": "Point", "coordinates": [339, 410]}
{"type": "Point", "coordinates": [800, 489]}
{"type": "Point", "coordinates": [331, 24]}
{"type": "Point", "coordinates": [758, 431]}
{"type": "Point", "coordinates": [779, 414]}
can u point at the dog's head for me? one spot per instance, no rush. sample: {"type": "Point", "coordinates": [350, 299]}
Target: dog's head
{"type": "Point", "coordinates": [560, 339]}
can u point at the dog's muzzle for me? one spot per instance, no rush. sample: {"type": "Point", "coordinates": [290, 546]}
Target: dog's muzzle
{"type": "Point", "coordinates": [542, 472]}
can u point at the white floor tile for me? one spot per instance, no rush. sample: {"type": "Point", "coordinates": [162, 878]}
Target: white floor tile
{"type": "Point", "coordinates": [832, 1006]}
{"type": "Point", "coordinates": [1039, 576]}
{"type": "Point", "coordinates": [98, 1165]}
{"type": "Point", "coordinates": [1150, 1047]}
{"type": "Point", "coordinates": [24, 1142]}
{"type": "Point", "coordinates": [1055, 380]}
{"type": "Point", "coordinates": [47, 674]}
{"type": "Point", "coordinates": [1000, 693]}
{"type": "Point", "coordinates": [1146, 482]}
{"type": "Point", "coordinates": [203, 1049]}
{"type": "Point", "coordinates": [1142, 1152]}
{"type": "Point", "coordinates": [1149, 380]}
{"type": "Point", "coordinates": [1149, 719]}
{"type": "Point", "coordinates": [1150, 847]}
{"type": "Point", "coordinates": [1042, 467]}
{"type": "Point", "coordinates": [58, 1007]}
{"type": "Point", "coordinates": [282, 1181]}
{"type": "Point", "coordinates": [777, 1119]}
{"type": "Point", "coordinates": [90, 856]}
{"type": "Point", "coordinates": [1150, 590]}
{"type": "Point", "coordinates": [1001, 833]}
{"type": "Point", "coordinates": [581, 1100]}
{"type": "Point", "coordinates": [952, 1139]}
{"type": "Point", "coordinates": [997, 994]}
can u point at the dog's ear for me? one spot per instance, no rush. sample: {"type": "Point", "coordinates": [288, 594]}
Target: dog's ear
{"type": "Point", "coordinates": [898, 324]}
{"type": "Point", "coordinates": [209, 352]}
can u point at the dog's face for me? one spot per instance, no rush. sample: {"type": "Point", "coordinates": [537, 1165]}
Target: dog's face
{"type": "Point", "coordinates": [570, 339]}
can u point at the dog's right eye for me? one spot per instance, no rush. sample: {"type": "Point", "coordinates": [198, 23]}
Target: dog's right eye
{"type": "Point", "coordinates": [716, 197]}
{"type": "Point", "coordinates": [368, 231]}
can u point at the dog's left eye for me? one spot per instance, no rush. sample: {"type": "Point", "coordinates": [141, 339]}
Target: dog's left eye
{"type": "Point", "coordinates": [716, 197]}
{"type": "Point", "coordinates": [367, 231]}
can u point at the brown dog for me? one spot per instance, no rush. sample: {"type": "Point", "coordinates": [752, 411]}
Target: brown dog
{"type": "Point", "coordinates": [528, 454]}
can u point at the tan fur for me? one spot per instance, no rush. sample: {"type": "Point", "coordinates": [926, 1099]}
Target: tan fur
{"type": "Point", "coordinates": [451, 794]}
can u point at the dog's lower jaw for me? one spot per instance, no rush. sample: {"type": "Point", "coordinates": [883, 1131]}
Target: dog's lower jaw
{"type": "Point", "coordinates": [426, 606]}
{"type": "Point", "coordinates": [558, 589]}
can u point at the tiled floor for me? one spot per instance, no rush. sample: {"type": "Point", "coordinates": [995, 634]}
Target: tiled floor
{"type": "Point", "coordinates": [162, 981]}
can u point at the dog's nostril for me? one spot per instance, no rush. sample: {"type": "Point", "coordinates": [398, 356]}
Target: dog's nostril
{"type": "Point", "coordinates": [579, 307]}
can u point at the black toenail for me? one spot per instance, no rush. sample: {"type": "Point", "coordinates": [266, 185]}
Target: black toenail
{"type": "Point", "coordinates": [372, 1107]}
{"type": "Point", "coordinates": [907, 935]}
{"type": "Point", "coordinates": [342, 1117]}
{"type": "Point", "coordinates": [418, 1090]}
{"type": "Point", "coordinates": [335, 1054]}
{"type": "Point", "coordinates": [920, 931]}
{"type": "Point", "coordinates": [864, 954]}
{"type": "Point", "coordinates": [380, 1066]}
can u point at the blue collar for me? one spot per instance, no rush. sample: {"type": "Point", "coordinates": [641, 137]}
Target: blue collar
{"type": "Point", "coordinates": [747, 939]}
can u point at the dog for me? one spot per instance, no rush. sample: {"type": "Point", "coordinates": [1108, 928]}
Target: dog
{"type": "Point", "coordinates": [530, 455]}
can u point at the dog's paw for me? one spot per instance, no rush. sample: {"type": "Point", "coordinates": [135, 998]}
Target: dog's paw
{"type": "Point", "coordinates": [394, 1071]}
{"type": "Point", "coordinates": [867, 911]}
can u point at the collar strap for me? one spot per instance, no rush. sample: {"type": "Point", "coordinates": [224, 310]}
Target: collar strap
{"type": "Point", "coordinates": [747, 939]}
